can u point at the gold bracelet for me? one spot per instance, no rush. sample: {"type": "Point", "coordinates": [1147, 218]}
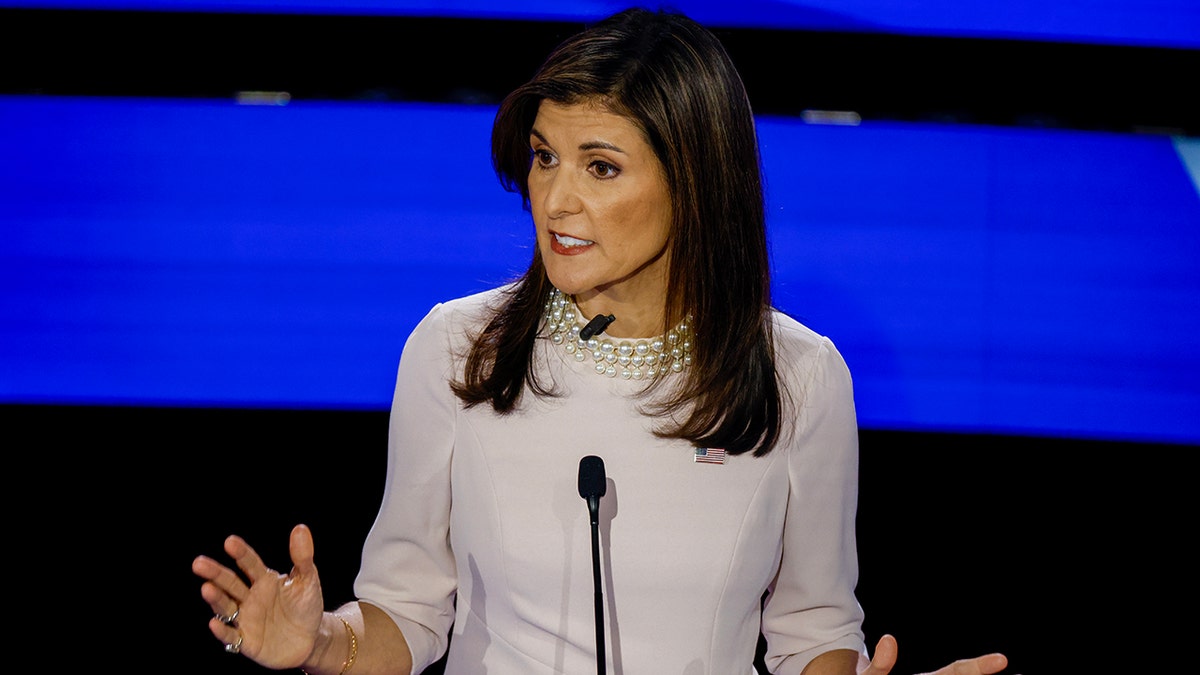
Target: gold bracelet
{"type": "Point", "coordinates": [349, 662]}
{"type": "Point", "coordinates": [353, 648]}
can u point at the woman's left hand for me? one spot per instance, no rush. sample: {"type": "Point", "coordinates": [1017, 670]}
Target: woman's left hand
{"type": "Point", "coordinates": [886, 651]}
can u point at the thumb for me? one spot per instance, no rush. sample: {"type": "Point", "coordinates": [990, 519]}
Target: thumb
{"type": "Point", "coordinates": [300, 548]}
{"type": "Point", "coordinates": [884, 659]}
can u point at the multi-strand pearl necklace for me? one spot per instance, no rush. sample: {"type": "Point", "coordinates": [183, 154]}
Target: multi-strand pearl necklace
{"type": "Point", "coordinates": [628, 359]}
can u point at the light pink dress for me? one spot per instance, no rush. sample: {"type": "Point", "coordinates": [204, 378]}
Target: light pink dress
{"type": "Point", "coordinates": [483, 543]}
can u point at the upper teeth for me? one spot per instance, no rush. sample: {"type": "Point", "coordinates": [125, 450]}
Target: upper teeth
{"type": "Point", "coordinates": [572, 241]}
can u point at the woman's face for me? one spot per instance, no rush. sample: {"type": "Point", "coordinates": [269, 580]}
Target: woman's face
{"type": "Point", "coordinates": [601, 207]}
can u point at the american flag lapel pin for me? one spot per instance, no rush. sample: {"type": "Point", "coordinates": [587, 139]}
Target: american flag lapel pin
{"type": "Point", "coordinates": [709, 456]}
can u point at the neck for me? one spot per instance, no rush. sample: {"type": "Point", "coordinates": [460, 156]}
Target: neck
{"type": "Point", "coordinates": [633, 320]}
{"type": "Point", "coordinates": [616, 356]}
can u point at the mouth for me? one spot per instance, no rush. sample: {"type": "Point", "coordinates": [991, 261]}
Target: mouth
{"type": "Point", "coordinates": [570, 242]}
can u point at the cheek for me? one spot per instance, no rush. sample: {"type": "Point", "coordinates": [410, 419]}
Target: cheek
{"type": "Point", "coordinates": [536, 208]}
{"type": "Point", "coordinates": [652, 224]}
{"type": "Point", "coordinates": [535, 188]}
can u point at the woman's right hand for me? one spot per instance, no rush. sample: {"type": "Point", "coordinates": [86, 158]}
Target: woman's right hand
{"type": "Point", "coordinates": [276, 616]}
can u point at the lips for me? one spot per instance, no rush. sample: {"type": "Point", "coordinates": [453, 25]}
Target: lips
{"type": "Point", "coordinates": [567, 245]}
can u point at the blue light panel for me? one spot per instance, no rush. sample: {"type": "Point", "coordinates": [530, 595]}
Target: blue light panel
{"type": "Point", "coordinates": [202, 253]}
{"type": "Point", "coordinates": [1161, 23]}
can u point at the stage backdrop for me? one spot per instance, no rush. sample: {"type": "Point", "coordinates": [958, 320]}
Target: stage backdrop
{"type": "Point", "coordinates": [165, 252]}
{"type": "Point", "coordinates": [1162, 23]}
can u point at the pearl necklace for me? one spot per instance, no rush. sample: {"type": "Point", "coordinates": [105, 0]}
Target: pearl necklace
{"type": "Point", "coordinates": [630, 359]}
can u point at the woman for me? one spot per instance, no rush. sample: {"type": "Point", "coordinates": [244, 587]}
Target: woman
{"type": "Point", "coordinates": [727, 428]}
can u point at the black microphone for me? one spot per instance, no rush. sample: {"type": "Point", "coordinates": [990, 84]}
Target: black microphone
{"type": "Point", "coordinates": [592, 486]}
{"type": "Point", "coordinates": [595, 327]}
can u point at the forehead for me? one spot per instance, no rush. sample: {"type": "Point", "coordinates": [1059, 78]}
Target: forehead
{"type": "Point", "coordinates": [585, 121]}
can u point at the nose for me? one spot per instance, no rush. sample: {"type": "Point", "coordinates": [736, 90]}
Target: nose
{"type": "Point", "coordinates": [561, 196]}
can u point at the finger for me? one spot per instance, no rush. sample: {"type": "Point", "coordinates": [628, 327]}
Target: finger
{"type": "Point", "coordinates": [247, 558]}
{"type": "Point", "coordinates": [219, 579]}
{"type": "Point", "coordinates": [991, 663]}
{"type": "Point", "coordinates": [221, 603]}
{"type": "Point", "coordinates": [223, 631]}
{"type": "Point", "coordinates": [300, 548]}
{"type": "Point", "coordinates": [884, 659]}
{"type": "Point", "coordinates": [205, 567]}
{"type": "Point", "coordinates": [980, 665]}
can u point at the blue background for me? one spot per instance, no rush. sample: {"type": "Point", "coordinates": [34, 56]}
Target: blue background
{"type": "Point", "coordinates": [1160, 23]}
{"type": "Point", "coordinates": [204, 253]}
{"type": "Point", "coordinates": [202, 303]}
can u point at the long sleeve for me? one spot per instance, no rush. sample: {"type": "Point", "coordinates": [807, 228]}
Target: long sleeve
{"type": "Point", "coordinates": [811, 607]}
{"type": "Point", "coordinates": [408, 569]}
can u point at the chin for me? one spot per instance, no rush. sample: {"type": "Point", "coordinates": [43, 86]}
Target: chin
{"type": "Point", "coordinates": [565, 283]}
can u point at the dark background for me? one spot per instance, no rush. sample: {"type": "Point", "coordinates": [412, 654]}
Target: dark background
{"type": "Point", "coordinates": [1066, 554]}
{"type": "Point", "coordinates": [882, 76]}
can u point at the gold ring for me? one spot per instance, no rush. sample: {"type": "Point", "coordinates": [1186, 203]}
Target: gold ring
{"type": "Point", "coordinates": [231, 619]}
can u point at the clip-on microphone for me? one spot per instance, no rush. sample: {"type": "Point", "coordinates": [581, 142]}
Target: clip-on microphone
{"type": "Point", "coordinates": [592, 486]}
{"type": "Point", "coordinates": [595, 327]}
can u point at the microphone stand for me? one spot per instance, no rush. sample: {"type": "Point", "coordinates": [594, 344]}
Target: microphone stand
{"type": "Point", "coordinates": [592, 486]}
{"type": "Point", "coordinates": [593, 509]}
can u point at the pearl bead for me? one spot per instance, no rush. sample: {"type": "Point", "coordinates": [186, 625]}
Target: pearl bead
{"type": "Point", "coordinates": [632, 359]}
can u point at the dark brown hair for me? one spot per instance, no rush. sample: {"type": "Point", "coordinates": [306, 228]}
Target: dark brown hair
{"type": "Point", "coordinates": [673, 79]}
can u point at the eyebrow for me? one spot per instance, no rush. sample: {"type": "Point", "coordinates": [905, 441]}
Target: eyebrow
{"type": "Point", "coordinates": [601, 145]}
{"type": "Point", "coordinates": [590, 145]}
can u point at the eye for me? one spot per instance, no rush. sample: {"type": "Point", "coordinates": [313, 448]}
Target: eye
{"type": "Point", "coordinates": [603, 169]}
{"type": "Point", "coordinates": [543, 159]}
